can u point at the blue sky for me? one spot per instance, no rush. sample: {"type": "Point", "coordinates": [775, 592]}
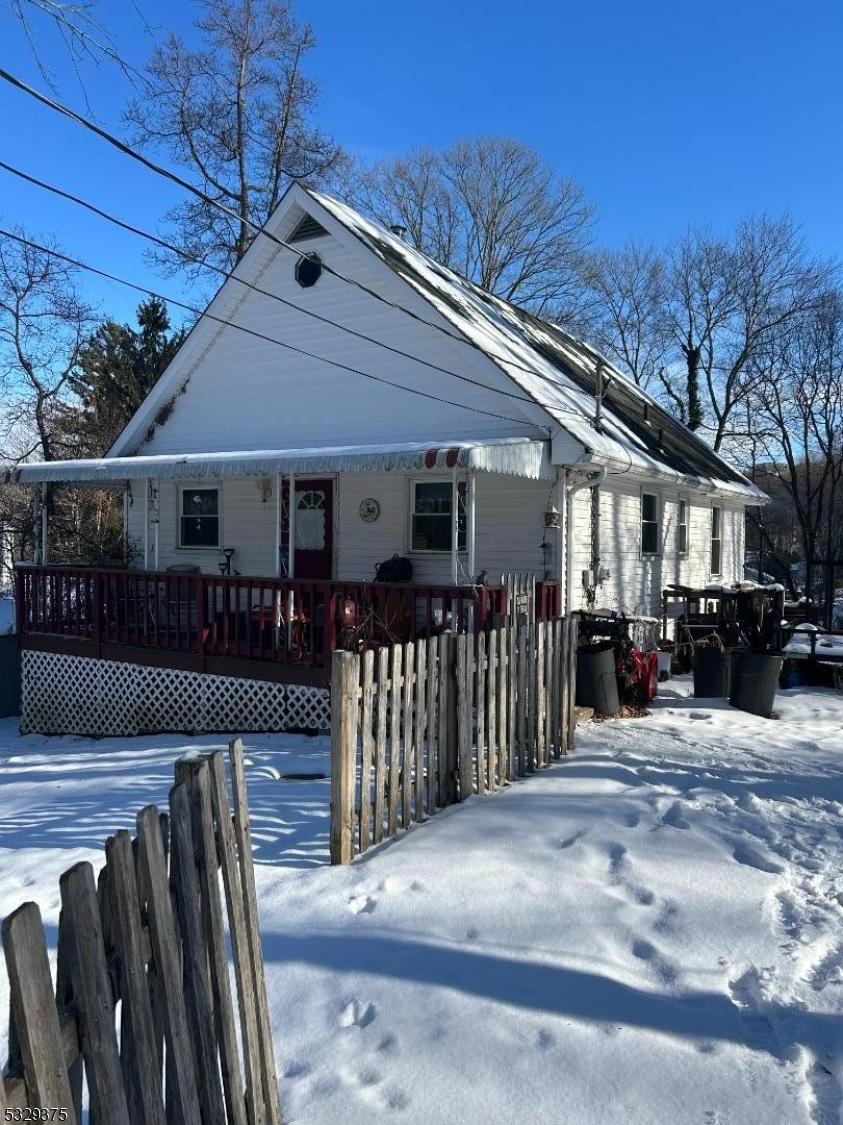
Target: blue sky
{"type": "Point", "coordinates": [668, 113]}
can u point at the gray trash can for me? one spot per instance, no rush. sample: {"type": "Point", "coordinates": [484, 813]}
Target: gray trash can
{"type": "Point", "coordinates": [9, 675]}
{"type": "Point", "coordinates": [712, 667]}
{"type": "Point", "coordinates": [735, 661]}
{"type": "Point", "coordinates": [597, 684]}
{"type": "Point", "coordinates": [757, 682]}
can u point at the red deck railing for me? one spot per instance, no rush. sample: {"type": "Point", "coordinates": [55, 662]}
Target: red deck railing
{"type": "Point", "coordinates": [206, 620]}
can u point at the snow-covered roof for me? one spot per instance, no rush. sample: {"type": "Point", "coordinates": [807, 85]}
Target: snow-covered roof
{"type": "Point", "coordinates": [557, 371]}
{"type": "Point", "coordinates": [513, 456]}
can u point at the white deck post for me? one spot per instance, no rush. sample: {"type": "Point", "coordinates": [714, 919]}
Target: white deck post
{"type": "Point", "coordinates": [278, 525]}
{"type": "Point", "coordinates": [146, 523]}
{"type": "Point", "coordinates": [45, 553]}
{"type": "Point", "coordinates": [470, 537]}
{"type": "Point", "coordinates": [455, 528]}
{"type": "Point", "coordinates": [291, 556]}
{"type": "Point", "coordinates": [157, 520]}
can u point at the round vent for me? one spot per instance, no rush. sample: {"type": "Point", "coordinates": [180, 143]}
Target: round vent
{"type": "Point", "coordinates": [308, 270]}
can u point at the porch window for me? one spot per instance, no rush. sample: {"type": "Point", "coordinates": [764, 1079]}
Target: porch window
{"type": "Point", "coordinates": [432, 508]}
{"type": "Point", "coordinates": [199, 517]}
{"type": "Point", "coordinates": [683, 527]}
{"type": "Point", "coordinates": [716, 540]}
{"type": "Point", "coordinates": [649, 524]}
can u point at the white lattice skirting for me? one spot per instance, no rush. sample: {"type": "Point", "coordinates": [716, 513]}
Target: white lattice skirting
{"type": "Point", "coordinates": [79, 695]}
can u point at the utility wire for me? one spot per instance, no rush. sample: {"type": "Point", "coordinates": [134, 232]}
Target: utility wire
{"type": "Point", "coordinates": [52, 188]}
{"type": "Point", "coordinates": [160, 170]}
{"type": "Point", "coordinates": [78, 264]}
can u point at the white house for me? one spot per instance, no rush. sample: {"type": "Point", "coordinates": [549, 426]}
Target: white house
{"type": "Point", "coordinates": [407, 412]}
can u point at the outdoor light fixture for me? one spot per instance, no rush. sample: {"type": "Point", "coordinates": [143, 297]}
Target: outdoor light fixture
{"type": "Point", "coordinates": [552, 517]}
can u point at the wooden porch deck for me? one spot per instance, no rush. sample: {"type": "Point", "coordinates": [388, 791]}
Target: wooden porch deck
{"type": "Point", "coordinates": [262, 628]}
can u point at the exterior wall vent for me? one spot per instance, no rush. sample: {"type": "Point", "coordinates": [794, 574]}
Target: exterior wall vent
{"type": "Point", "coordinates": [307, 228]}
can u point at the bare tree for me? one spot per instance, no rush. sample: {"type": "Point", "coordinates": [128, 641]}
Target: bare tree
{"type": "Point", "coordinates": [726, 299]}
{"type": "Point", "coordinates": [239, 110]}
{"type": "Point", "coordinates": [494, 211]}
{"type": "Point", "coordinates": [43, 324]}
{"type": "Point", "coordinates": [626, 317]}
{"type": "Point", "coordinates": [799, 397]}
{"type": "Point", "coordinates": [76, 24]}
{"type": "Point", "coordinates": [44, 330]}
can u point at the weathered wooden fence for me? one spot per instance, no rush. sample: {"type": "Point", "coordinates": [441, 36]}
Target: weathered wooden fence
{"type": "Point", "coordinates": [416, 727]}
{"type": "Point", "coordinates": [142, 1010]}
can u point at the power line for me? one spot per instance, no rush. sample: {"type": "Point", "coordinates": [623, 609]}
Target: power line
{"type": "Point", "coordinates": [78, 264]}
{"type": "Point", "coordinates": [160, 170]}
{"type": "Point", "coordinates": [53, 189]}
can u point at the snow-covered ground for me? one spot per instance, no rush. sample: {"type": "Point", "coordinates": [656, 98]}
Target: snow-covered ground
{"type": "Point", "coordinates": [649, 932]}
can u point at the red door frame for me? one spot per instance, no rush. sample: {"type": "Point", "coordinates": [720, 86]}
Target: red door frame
{"type": "Point", "coordinates": [311, 564]}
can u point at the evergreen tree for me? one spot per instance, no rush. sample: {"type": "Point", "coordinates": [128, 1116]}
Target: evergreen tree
{"type": "Point", "coordinates": [117, 368]}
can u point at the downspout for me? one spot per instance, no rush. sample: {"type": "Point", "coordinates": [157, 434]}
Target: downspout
{"type": "Point", "coordinates": [591, 481]}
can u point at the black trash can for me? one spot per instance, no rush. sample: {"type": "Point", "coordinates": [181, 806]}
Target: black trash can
{"type": "Point", "coordinates": [712, 668]}
{"type": "Point", "coordinates": [757, 682]}
{"type": "Point", "coordinates": [736, 656]}
{"type": "Point", "coordinates": [597, 684]}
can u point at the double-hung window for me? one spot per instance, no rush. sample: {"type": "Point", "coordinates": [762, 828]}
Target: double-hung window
{"type": "Point", "coordinates": [432, 515]}
{"type": "Point", "coordinates": [199, 517]}
{"type": "Point", "coordinates": [649, 523]}
{"type": "Point", "coordinates": [683, 527]}
{"type": "Point", "coordinates": [716, 540]}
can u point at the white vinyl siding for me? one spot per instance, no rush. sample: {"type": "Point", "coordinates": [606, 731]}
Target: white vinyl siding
{"type": "Point", "coordinates": [508, 527]}
{"type": "Point", "coordinates": [636, 580]}
{"type": "Point", "coordinates": [243, 392]}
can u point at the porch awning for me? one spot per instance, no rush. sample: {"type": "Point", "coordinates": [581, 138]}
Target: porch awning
{"type": "Point", "coordinates": [521, 457]}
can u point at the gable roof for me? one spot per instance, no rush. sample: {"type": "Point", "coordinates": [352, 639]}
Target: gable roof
{"type": "Point", "coordinates": [554, 374]}
{"type": "Point", "coordinates": [556, 370]}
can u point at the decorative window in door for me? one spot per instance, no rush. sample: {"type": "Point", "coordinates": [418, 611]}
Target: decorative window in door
{"type": "Point", "coordinates": [311, 514]}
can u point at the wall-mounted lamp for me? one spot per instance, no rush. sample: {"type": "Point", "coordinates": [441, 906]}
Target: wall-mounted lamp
{"type": "Point", "coordinates": [552, 517]}
{"type": "Point", "coordinates": [265, 489]}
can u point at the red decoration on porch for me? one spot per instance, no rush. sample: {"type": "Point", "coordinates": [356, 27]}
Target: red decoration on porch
{"type": "Point", "coordinates": [451, 457]}
{"type": "Point", "coordinates": [430, 458]}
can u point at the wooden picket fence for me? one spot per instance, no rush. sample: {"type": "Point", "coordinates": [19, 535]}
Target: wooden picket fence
{"type": "Point", "coordinates": [416, 727]}
{"type": "Point", "coordinates": [149, 936]}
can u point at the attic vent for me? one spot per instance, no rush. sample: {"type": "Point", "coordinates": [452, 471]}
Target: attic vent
{"type": "Point", "coordinates": [307, 228]}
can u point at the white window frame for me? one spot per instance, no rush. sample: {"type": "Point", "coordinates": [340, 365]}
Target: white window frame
{"type": "Point", "coordinates": [719, 540]}
{"type": "Point", "coordinates": [683, 552]}
{"type": "Point", "coordinates": [206, 487]}
{"type": "Point", "coordinates": [411, 511]}
{"type": "Point", "coordinates": [658, 521]}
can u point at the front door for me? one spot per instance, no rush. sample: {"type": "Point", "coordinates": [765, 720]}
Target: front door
{"type": "Point", "coordinates": [314, 529]}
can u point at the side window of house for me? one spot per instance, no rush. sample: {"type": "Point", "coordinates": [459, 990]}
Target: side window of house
{"type": "Point", "coordinates": [716, 540]}
{"type": "Point", "coordinates": [432, 509]}
{"type": "Point", "coordinates": [683, 527]}
{"type": "Point", "coordinates": [649, 524]}
{"type": "Point", "coordinates": [199, 517]}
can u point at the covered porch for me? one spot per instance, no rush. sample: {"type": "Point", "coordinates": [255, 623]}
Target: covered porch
{"type": "Point", "coordinates": [259, 564]}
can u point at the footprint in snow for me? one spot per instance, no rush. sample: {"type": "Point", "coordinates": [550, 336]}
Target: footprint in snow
{"type": "Point", "coordinates": [544, 1040]}
{"type": "Point", "coordinates": [826, 1097]}
{"type": "Point", "coordinates": [617, 859]}
{"type": "Point", "coordinates": [673, 818]}
{"type": "Point", "coordinates": [569, 841]}
{"type": "Point", "coordinates": [748, 997]}
{"type": "Point", "coordinates": [362, 904]}
{"type": "Point", "coordinates": [666, 921]}
{"type": "Point", "coordinates": [646, 951]}
{"type": "Point", "coordinates": [749, 856]}
{"type": "Point", "coordinates": [356, 1013]}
